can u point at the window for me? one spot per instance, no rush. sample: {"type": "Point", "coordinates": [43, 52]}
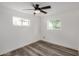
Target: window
{"type": "Point", "coordinates": [53, 24]}
{"type": "Point", "coordinates": [18, 21]}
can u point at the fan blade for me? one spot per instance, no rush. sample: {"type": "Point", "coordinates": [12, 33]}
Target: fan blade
{"type": "Point", "coordinates": [28, 9]}
{"type": "Point", "coordinates": [46, 7]}
{"type": "Point", "coordinates": [43, 11]}
{"type": "Point", "coordinates": [33, 5]}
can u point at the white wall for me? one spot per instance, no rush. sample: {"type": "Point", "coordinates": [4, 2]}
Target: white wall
{"type": "Point", "coordinates": [13, 37]}
{"type": "Point", "coordinates": [68, 36]}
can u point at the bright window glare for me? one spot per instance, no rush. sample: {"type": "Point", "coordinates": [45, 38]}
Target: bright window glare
{"type": "Point", "coordinates": [17, 21]}
{"type": "Point", "coordinates": [53, 24]}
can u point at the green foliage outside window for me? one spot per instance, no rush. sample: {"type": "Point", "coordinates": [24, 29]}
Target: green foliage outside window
{"type": "Point", "coordinates": [54, 24]}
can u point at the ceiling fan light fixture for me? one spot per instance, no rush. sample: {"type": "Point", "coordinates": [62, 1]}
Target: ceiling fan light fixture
{"type": "Point", "coordinates": [37, 11]}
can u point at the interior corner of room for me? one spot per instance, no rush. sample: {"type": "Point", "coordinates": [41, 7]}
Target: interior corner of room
{"type": "Point", "coordinates": [34, 27]}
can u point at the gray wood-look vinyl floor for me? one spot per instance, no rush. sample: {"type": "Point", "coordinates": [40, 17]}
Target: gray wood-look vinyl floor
{"type": "Point", "coordinates": [42, 48]}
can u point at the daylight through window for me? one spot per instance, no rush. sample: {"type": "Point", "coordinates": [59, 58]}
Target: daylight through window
{"type": "Point", "coordinates": [18, 21]}
{"type": "Point", "coordinates": [53, 24]}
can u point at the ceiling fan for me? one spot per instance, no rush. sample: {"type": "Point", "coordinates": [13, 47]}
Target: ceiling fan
{"type": "Point", "coordinates": [38, 9]}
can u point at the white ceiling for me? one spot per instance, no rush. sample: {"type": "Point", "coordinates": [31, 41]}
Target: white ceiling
{"type": "Point", "coordinates": [56, 7]}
